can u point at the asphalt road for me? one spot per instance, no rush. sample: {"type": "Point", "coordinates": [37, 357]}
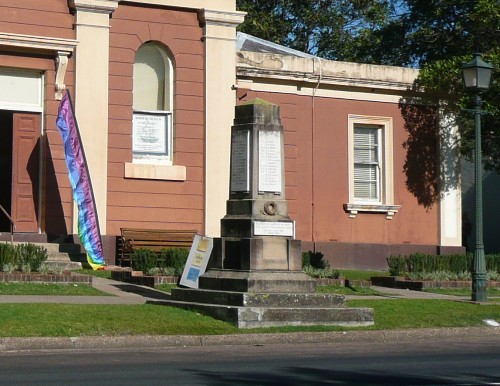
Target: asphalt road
{"type": "Point", "coordinates": [457, 360]}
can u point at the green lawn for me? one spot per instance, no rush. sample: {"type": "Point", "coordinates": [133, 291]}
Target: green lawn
{"type": "Point", "coordinates": [49, 289]}
{"type": "Point", "coordinates": [494, 292]}
{"type": "Point", "coordinates": [98, 273]}
{"type": "Point", "coordinates": [361, 275]}
{"type": "Point", "coordinates": [110, 320]}
{"type": "Point", "coordinates": [340, 290]}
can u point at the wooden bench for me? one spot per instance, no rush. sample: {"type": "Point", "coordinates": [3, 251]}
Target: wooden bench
{"type": "Point", "coordinates": [152, 239]}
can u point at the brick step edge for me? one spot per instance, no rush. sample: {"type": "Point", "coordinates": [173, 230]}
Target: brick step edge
{"type": "Point", "coordinates": [49, 278]}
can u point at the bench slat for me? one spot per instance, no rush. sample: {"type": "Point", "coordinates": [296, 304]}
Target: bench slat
{"type": "Point", "coordinates": [152, 239]}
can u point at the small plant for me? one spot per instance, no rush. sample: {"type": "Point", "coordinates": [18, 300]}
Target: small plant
{"type": "Point", "coordinates": [56, 269]}
{"type": "Point", "coordinates": [174, 258]}
{"type": "Point", "coordinates": [321, 272]}
{"type": "Point", "coordinates": [44, 268]}
{"type": "Point", "coordinates": [9, 267]}
{"type": "Point", "coordinates": [8, 255]}
{"type": "Point", "coordinates": [26, 268]}
{"type": "Point", "coordinates": [154, 271]}
{"type": "Point", "coordinates": [171, 271]}
{"type": "Point", "coordinates": [143, 260]}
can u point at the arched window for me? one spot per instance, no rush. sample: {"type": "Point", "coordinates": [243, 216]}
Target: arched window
{"type": "Point", "coordinates": [153, 105]}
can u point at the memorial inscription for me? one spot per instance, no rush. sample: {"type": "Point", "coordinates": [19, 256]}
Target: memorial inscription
{"type": "Point", "coordinates": [270, 161]}
{"type": "Point", "coordinates": [240, 154]}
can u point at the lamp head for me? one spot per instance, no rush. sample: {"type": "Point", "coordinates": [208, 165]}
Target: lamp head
{"type": "Point", "coordinates": [477, 74]}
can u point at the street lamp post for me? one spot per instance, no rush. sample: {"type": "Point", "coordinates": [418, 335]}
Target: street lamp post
{"type": "Point", "coordinates": [477, 77]}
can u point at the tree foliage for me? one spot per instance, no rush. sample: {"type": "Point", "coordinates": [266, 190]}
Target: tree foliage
{"type": "Point", "coordinates": [331, 29]}
{"type": "Point", "coordinates": [435, 35]}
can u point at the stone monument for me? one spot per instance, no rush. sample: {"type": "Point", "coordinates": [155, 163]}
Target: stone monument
{"type": "Point", "coordinates": [255, 276]}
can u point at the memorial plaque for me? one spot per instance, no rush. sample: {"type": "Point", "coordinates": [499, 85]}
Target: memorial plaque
{"type": "Point", "coordinates": [240, 165]}
{"type": "Point", "coordinates": [270, 161]}
{"type": "Point", "coordinates": [150, 133]}
{"type": "Point", "coordinates": [266, 228]}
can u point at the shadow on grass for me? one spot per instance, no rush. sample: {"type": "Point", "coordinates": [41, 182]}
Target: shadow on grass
{"type": "Point", "coordinates": [143, 291]}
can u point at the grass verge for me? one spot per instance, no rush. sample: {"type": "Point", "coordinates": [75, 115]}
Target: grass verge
{"type": "Point", "coordinates": [98, 273]}
{"type": "Point", "coordinates": [495, 292]}
{"type": "Point", "coordinates": [340, 290]}
{"type": "Point", "coordinates": [361, 275]}
{"type": "Point", "coordinates": [49, 289]}
{"type": "Point", "coordinates": [111, 320]}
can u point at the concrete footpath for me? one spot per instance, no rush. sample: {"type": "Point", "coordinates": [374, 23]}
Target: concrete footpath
{"type": "Point", "coordinates": [123, 293]}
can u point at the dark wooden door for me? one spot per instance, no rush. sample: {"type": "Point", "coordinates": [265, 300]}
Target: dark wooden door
{"type": "Point", "coordinates": [25, 170]}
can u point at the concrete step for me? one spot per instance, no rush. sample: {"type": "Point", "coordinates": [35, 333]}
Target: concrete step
{"type": "Point", "coordinates": [258, 317]}
{"type": "Point", "coordinates": [250, 299]}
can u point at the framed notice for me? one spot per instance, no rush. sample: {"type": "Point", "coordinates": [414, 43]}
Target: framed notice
{"type": "Point", "coordinates": [197, 261]}
{"type": "Point", "coordinates": [240, 164]}
{"type": "Point", "coordinates": [270, 161]}
{"type": "Point", "coordinates": [150, 133]}
{"type": "Point", "coordinates": [274, 228]}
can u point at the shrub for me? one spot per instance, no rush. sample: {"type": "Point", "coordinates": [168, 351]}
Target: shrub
{"type": "Point", "coordinates": [321, 272]}
{"type": "Point", "coordinates": [448, 267]}
{"type": "Point", "coordinates": [31, 257]}
{"type": "Point", "coordinates": [315, 260]}
{"type": "Point", "coordinates": [174, 259]}
{"type": "Point", "coordinates": [26, 257]}
{"type": "Point", "coordinates": [7, 255]}
{"type": "Point", "coordinates": [143, 260]}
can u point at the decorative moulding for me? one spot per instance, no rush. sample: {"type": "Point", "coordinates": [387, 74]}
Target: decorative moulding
{"type": "Point", "coordinates": [60, 48]}
{"type": "Point", "coordinates": [100, 6]}
{"type": "Point", "coordinates": [389, 210]}
{"type": "Point", "coordinates": [155, 171]}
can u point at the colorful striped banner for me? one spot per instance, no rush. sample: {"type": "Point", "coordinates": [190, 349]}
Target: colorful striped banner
{"type": "Point", "coordinates": [88, 223]}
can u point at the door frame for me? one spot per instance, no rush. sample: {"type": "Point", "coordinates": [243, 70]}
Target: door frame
{"type": "Point", "coordinates": [38, 79]}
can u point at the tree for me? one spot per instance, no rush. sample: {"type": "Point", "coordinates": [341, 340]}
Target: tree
{"type": "Point", "coordinates": [440, 35]}
{"type": "Point", "coordinates": [332, 29]}
{"type": "Point", "coordinates": [435, 35]}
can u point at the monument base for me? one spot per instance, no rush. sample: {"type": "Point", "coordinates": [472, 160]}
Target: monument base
{"type": "Point", "coordinates": [257, 281]}
{"type": "Point", "coordinates": [256, 299]}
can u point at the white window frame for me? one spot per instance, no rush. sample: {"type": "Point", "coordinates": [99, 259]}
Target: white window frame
{"type": "Point", "coordinates": [165, 157]}
{"type": "Point", "coordinates": [385, 201]}
{"type": "Point", "coordinates": [157, 164]}
{"type": "Point", "coordinates": [376, 163]}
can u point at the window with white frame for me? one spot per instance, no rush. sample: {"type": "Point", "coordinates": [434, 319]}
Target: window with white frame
{"type": "Point", "coordinates": [370, 153]}
{"type": "Point", "coordinates": [153, 105]}
{"type": "Point", "coordinates": [367, 163]}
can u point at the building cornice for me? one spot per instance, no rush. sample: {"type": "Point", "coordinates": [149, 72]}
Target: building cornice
{"type": "Point", "coordinates": [99, 6]}
{"type": "Point", "coordinates": [222, 18]}
{"type": "Point", "coordinates": [316, 71]}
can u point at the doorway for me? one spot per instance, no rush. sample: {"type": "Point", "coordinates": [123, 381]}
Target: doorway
{"type": "Point", "coordinates": [6, 128]}
{"type": "Point", "coordinates": [19, 166]}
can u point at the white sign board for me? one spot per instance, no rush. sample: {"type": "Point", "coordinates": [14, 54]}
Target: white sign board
{"type": "Point", "coordinates": [240, 165]}
{"type": "Point", "coordinates": [197, 261]}
{"type": "Point", "coordinates": [270, 161]}
{"type": "Point", "coordinates": [150, 133]}
{"type": "Point", "coordinates": [279, 228]}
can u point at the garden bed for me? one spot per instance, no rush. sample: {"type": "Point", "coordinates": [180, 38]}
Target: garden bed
{"type": "Point", "coordinates": [137, 277]}
{"type": "Point", "coordinates": [419, 285]}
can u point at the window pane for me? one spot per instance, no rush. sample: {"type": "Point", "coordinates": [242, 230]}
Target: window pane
{"type": "Point", "coordinates": [149, 79]}
{"type": "Point", "coordinates": [366, 163]}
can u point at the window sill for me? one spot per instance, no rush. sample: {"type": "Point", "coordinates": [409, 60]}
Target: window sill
{"type": "Point", "coordinates": [155, 172]}
{"type": "Point", "coordinates": [389, 210]}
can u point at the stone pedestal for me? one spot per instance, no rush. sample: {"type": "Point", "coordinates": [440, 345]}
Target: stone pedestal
{"type": "Point", "coordinates": [255, 276]}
